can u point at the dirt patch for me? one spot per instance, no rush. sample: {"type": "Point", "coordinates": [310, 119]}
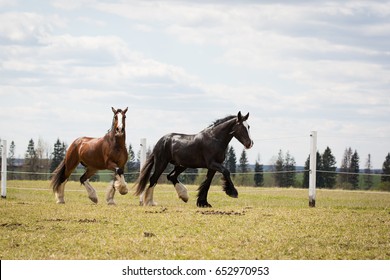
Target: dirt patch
{"type": "Point", "coordinates": [221, 213]}
{"type": "Point", "coordinates": [54, 220]}
{"type": "Point", "coordinates": [11, 225]}
{"type": "Point", "coordinates": [149, 234]}
{"type": "Point", "coordinates": [162, 210]}
{"type": "Point", "coordinates": [87, 221]}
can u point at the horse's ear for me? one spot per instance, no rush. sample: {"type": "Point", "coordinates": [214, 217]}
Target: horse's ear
{"type": "Point", "coordinates": [113, 110]}
{"type": "Point", "coordinates": [125, 110]}
{"type": "Point", "coordinates": [239, 116]}
{"type": "Point", "coordinates": [246, 117]}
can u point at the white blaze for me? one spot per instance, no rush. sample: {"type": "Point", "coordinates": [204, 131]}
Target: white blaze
{"type": "Point", "coordinates": [120, 121]}
{"type": "Point", "coordinates": [247, 128]}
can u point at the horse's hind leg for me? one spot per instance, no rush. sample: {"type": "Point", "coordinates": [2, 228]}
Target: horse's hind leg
{"type": "Point", "coordinates": [180, 188]}
{"type": "Point", "coordinates": [147, 196]}
{"type": "Point", "coordinates": [85, 181]}
{"type": "Point", "coordinates": [204, 189]}
{"type": "Point", "coordinates": [62, 173]}
{"type": "Point", "coordinates": [59, 193]}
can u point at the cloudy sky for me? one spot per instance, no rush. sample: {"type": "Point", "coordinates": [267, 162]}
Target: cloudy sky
{"type": "Point", "coordinates": [179, 65]}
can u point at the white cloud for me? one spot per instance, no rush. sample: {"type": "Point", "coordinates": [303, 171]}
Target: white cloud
{"type": "Point", "coordinates": [27, 27]}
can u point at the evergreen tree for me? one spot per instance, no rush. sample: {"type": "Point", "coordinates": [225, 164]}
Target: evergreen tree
{"type": "Point", "coordinates": [319, 174]}
{"type": "Point", "coordinates": [354, 168]}
{"type": "Point", "coordinates": [131, 166]}
{"type": "Point", "coordinates": [58, 155]}
{"type": "Point", "coordinates": [278, 169]}
{"type": "Point", "coordinates": [345, 167]}
{"type": "Point", "coordinates": [386, 169]}
{"type": "Point", "coordinates": [11, 160]}
{"type": "Point", "coordinates": [259, 176]}
{"type": "Point", "coordinates": [31, 159]}
{"type": "Point", "coordinates": [289, 175]}
{"type": "Point", "coordinates": [284, 168]}
{"type": "Point", "coordinates": [231, 161]}
{"type": "Point", "coordinates": [328, 165]}
{"type": "Point", "coordinates": [368, 180]}
{"type": "Point", "coordinates": [243, 166]}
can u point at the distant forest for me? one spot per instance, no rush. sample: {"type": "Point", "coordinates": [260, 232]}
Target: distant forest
{"type": "Point", "coordinates": [38, 164]}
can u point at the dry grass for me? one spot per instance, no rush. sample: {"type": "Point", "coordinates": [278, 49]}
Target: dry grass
{"type": "Point", "coordinates": [263, 223]}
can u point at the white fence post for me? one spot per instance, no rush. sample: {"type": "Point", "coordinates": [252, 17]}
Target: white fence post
{"type": "Point", "coordinates": [313, 169]}
{"type": "Point", "coordinates": [4, 169]}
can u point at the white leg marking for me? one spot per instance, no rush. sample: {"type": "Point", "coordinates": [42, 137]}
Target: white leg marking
{"type": "Point", "coordinates": [91, 192]}
{"type": "Point", "coordinates": [148, 197]}
{"type": "Point", "coordinates": [110, 194]}
{"type": "Point", "coordinates": [181, 191]}
{"type": "Point", "coordinates": [120, 184]}
{"type": "Point", "coordinates": [60, 193]}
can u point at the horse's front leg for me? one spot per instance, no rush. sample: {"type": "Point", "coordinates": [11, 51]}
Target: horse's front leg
{"type": "Point", "coordinates": [228, 185]}
{"type": "Point", "coordinates": [110, 194]}
{"type": "Point", "coordinates": [179, 187]}
{"type": "Point", "coordinates": [119, 184]}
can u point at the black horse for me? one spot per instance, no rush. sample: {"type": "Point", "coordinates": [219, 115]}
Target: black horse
{"type": "Point", "coordinates": [206, 149]}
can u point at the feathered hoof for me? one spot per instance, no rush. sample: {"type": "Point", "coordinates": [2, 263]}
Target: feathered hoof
{"type": "Point", "coordinates": [111, 202]}
{"type": "Point", "coordinates": [203, 204]}
{"type": "Point", "coordinates": [93, 199]}
{"type": "Point", "coordinates": [150, 203]}
{"type": "Point", "coordinates": [232, 192]}
{"type": "Point", "coordinates": [182, 191]}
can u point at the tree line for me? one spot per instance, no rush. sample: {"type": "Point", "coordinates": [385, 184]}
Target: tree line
{"type": "Point", "coordinates": [38, 163]}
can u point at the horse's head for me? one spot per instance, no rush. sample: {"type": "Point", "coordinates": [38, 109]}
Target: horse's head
{"type": "Point", "coordinates": [241, 131]}
{"type": "Point", "coordinates": [118, 123]}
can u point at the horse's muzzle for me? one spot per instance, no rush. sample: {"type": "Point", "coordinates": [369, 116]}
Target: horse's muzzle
{"type": "Point", "coordinates": [119, 131]}
{"type": "Point", "coordinates": [250, 145]}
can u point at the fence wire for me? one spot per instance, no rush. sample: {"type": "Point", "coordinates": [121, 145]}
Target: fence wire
{"type": "Point", "coordinates": [205, 173]}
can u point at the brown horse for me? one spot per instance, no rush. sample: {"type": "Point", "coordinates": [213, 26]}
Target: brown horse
{"type": "Point", "coordinates": [108, 152]}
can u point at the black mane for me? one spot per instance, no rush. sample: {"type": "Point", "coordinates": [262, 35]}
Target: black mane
{"type": "Point", "coordinates": [225, 119]}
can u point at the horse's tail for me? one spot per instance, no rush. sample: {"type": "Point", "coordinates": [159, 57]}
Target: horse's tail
{"type": "Point", "coordinates": [144, 175]}
{"type": "Point", "coordinates": [58, 176]}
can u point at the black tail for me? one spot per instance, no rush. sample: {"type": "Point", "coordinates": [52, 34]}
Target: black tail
{"type": "Point", "coordinates": [58, 176]}
{"type": "Point", "coordinates": [144, 175]}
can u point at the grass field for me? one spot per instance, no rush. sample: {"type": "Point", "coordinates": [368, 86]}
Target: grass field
{"type": "Point", "coordinates": [263, 223]}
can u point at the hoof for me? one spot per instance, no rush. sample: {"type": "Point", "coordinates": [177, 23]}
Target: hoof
{"type": "Point", "coordinates": [111, 202]}
{"type": "Point", "coordinates": [151, 203]}
{"type": "Point", "coordinates": [203, 204]}
{"type": "Point", "coordinates": [61, 202]}
{"type": "Point", "coordinates": [124, 192]}
{"type": "Point", "coordinates": [182, 191]}
{"type": "Point", "coordinates": [232, 192]}
{"type": "Point", "coordinates": [94, 199]}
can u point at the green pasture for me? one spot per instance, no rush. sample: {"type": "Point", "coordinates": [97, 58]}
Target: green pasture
{"type": "Point", "coordinates": [262, 223]}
